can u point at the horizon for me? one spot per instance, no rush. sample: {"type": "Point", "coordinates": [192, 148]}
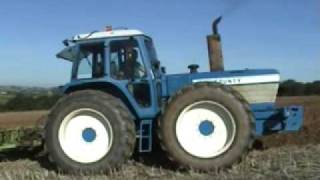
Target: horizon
{"type": "Point", "coordinates": [281, 35]}
{"type": "Point", "coordinates": [57, 86]}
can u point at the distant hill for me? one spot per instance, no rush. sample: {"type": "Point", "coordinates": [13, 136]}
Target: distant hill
{"type": "Point", "coordinates": [19, 98]}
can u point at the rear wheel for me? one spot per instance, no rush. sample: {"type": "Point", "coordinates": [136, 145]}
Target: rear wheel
{"type": "Point", "coordinates": [206, 126]}
{"type": "Point", "coordinates": [89, 131]}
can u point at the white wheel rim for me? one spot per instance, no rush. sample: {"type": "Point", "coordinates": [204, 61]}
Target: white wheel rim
{"type": "Point", "coordinates": [84, 137]}
{"type": "Point", "coordinates": [205, 129]}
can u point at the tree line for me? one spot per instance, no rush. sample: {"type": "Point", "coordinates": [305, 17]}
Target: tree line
{"type": "Point", "coordinates": [293, 88]}
{"type": "Point", "coordinates": [27, 102]}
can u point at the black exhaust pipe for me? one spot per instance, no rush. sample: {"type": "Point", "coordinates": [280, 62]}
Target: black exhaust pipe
{"type": "Point", "coordinates": [214, 48]}
{"type": "Point", "coordinates": [215, 25]}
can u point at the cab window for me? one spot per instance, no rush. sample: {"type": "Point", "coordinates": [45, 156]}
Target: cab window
{"type": "Point", "coordinates": [91, 61]}
{"type": "Point", "coordinates": [125, 60]}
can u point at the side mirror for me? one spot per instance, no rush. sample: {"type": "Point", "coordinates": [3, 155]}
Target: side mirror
{"type": "Point", "coordinates": [65, 42]}
{"type": "Point", "coordinates": [156, 64]}
{"type": "Point", "coordinates": [163, 70]}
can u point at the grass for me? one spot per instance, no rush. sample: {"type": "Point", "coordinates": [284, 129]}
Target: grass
{"type": "Point", "coordinates": [4, 98]}
{"type": "Point", "coordinates": [19, 137]}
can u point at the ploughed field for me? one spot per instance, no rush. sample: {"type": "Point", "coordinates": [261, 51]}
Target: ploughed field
{"type": "Point", "coordinates": [28, 119]}
{"type": "Point", "coordinates": [284, 156]}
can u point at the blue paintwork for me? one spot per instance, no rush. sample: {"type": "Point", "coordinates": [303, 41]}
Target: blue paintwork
{"type": "Point", "coordinates": [89, 135]}
{"type": "Point", "coordinates": [141, 112]}
{"type": "Point", "coordinates": [268, 118]}
{"type": "Point", "coordinates": [206, 128]}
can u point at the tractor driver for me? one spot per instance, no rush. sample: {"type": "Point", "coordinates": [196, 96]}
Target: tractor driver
{"type": "Point", "coordinates": [132, 68]}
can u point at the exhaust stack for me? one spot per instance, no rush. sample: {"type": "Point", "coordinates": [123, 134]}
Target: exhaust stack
{"type": "Point", "coordinates": [214, 48]}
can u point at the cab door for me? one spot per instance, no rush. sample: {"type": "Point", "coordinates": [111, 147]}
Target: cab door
{"type": "Point", "coordinates": [130, 71]}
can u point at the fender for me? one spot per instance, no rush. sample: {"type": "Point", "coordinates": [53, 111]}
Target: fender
{"type": "Point", "coordinates": [101, 85]}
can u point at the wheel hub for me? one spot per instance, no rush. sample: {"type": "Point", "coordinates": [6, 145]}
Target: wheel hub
{"type": "Point", "coordinates": [206, 128]}
{"type": "Point", "coordinates": [89, 135]}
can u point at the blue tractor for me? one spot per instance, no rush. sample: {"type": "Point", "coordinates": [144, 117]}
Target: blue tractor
{"type": "Point", "coordinates": [119, 94]}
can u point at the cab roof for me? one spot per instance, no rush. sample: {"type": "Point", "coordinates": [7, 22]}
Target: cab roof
{"type": "Point", "coordinates": [69, 53]}
{"type": "Point", "coordinates": [107, 34]}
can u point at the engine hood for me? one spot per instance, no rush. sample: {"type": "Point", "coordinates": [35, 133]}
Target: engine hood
{"type": "Point", "coordinates": [244, 78]}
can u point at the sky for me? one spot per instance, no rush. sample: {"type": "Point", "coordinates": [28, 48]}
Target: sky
{"type": "Point", "coordinates": [279, 34]}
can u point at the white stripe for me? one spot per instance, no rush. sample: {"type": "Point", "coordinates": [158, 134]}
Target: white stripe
{"type": "Point", "coordinates": [106, 34]}
{"type": "Point", "coordinates": [258, 93]}
{"type": "Point", "coordinates": [238, 80]}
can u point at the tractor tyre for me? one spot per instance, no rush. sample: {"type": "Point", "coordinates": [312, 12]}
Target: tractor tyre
{"type": "Point", "coordinates": [89, 132]}
{"type": "Point", "coordinates": [206, 126]}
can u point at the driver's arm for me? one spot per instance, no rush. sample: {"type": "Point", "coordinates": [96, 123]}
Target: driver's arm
{"type": "Point", "coordinates": [139, 70]}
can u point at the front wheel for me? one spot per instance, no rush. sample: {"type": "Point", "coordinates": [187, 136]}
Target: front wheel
{"type": "Point", "coordinates": [89, 131]}
{"type": "Point", "coordinates": [206, 126]}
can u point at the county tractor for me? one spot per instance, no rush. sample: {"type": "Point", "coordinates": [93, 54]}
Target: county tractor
{"type": "Point", "coordinates": [120, 97]}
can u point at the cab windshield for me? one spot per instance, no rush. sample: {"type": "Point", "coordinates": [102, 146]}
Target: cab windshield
{"type": "Point", "coordinates": [151, 50]}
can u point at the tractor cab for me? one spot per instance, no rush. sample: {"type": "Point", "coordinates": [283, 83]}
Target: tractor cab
{"type": "Point", "coordinates": [123, 60]}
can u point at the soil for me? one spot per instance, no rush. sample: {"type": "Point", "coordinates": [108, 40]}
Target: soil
{"type": "Point", "coordinates": [309, 133]}
{"type": "Point", "coordinates": [27, 119]}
